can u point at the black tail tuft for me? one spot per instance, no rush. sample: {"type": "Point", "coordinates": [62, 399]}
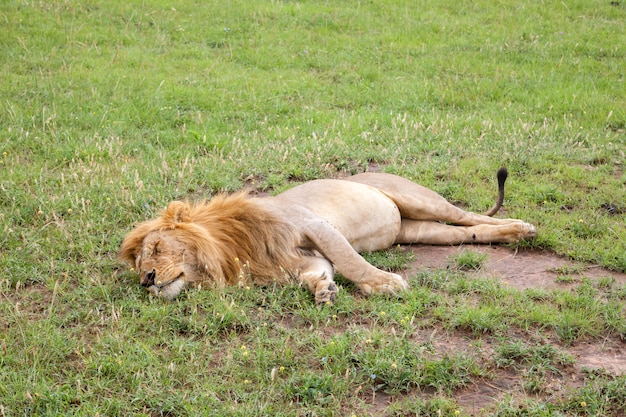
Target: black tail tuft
{"type": "Point", "coordinates": [502, 176]}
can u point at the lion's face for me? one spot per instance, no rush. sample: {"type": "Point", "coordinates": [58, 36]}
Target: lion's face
{"type": "Point", "coordinates": [165, 264]}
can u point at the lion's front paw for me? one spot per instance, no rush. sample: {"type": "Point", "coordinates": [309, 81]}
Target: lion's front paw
{"type": "Point", "coordinates": [387, 284]}
{"type": "Point", "coordinates": [327, 294]}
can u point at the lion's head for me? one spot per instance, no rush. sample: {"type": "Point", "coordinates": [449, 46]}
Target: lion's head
{"type": "Point", "coordinates": [165, 264]}
{"type": "Point", "coordinates": [220, 242]}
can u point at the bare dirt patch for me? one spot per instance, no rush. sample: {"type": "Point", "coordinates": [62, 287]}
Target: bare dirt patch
{"type": "Point", "coordinates": [523, 269]}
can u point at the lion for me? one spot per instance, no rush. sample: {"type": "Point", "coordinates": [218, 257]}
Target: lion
{"type": "Point", "coordinates": [305, 234]}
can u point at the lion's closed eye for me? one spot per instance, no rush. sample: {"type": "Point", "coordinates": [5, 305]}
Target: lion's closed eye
{"type": "Point", "coordinates": [150, 250]}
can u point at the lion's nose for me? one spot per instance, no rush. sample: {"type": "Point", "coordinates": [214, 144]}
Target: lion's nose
{"type": "Point", "coordinates": [148, 278]}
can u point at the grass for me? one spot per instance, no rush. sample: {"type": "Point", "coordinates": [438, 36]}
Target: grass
{"type": "Point", "coordinates": [394, 259]}
{"type": "Point", "coordinates": [468, 260]}
{"type": "Point", "coordinates": [111, 109]}
{"type": "Point", "coordinates": [539, 363]}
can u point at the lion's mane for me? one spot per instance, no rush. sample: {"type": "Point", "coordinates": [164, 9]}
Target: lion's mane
{"type": "Point", "coordinates": [233, 236]}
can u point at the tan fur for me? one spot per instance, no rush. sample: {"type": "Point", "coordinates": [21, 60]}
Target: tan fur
{"type": "Point", "coordinates": [304, 233]}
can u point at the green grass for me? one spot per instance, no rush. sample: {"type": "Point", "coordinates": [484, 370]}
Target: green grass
{"type": "Point", "coordinates": [394, 259]}
{"type": "Point", "coordinates": [111, 109]}
{"type": "Point", "coordinates": [468, 260]}
{"type": "Point", "coordinates": [539, 363]}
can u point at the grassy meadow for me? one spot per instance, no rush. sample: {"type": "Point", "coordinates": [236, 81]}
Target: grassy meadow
{"type": "Point", "coordinates": [110, 109]}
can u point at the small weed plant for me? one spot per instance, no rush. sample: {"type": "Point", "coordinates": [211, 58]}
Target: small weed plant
{"type": "Point", "coordinates": [468, 260]}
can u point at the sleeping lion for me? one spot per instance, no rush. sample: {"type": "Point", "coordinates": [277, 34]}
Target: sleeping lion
{"type": "Point", "coordinates": [305, 234]}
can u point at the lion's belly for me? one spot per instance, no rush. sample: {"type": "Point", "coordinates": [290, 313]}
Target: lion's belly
{"type": "Point", "coordinates": [365, 216]}
{"type": "Point", "coordinates": [367, 228]}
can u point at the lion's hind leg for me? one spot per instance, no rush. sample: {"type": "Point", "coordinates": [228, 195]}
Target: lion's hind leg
{"type": "Point", "coordinates": [435, 233]}
{"type": "Point", "coordinates": [417, 202]}
{"type": "Point", "coordinates": [318, 273]}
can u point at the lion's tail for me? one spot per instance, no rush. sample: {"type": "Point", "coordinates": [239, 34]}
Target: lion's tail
{"type": "Point", "coordinates": [502, 175]}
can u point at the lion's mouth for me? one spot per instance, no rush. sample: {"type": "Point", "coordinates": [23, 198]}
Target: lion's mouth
{"type": "Point", "coordinates": [161, 285]}
{"type": "Point", "coordinates": [168, 290]}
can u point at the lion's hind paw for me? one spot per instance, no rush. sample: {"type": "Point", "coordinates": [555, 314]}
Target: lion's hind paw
{"type": "Point", "coordinates": [528, 231]}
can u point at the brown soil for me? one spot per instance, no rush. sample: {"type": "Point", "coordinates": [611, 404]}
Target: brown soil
{"type": "Point", "coordinates": [521, 269]}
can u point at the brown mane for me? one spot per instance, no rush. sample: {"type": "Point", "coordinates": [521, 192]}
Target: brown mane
{"type": "Point", "coordinates": [234, 238]}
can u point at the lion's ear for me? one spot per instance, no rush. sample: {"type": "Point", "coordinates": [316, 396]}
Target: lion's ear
{"type": "Point", "coordinates": [132, 243]}
{"type": "Point", "coordinates": [177, 212]}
